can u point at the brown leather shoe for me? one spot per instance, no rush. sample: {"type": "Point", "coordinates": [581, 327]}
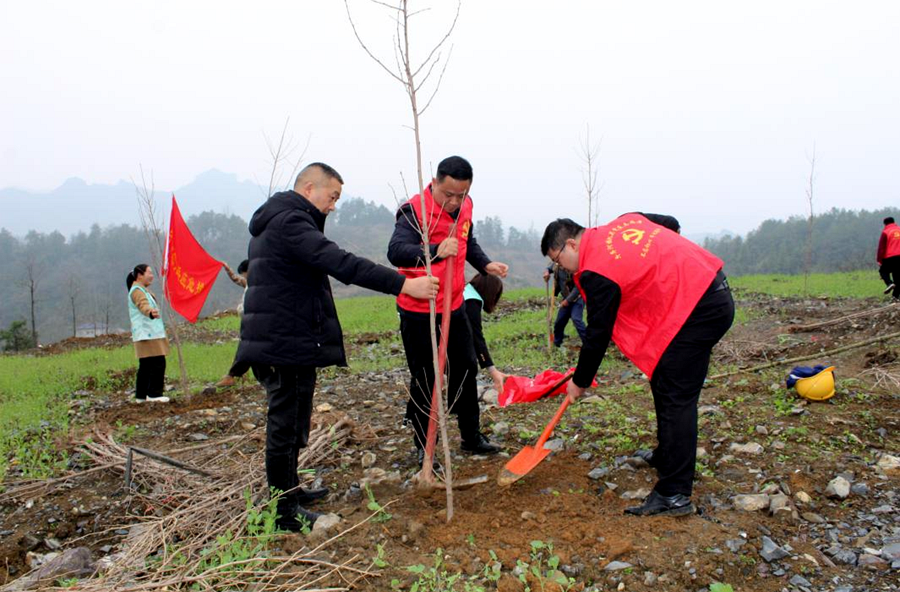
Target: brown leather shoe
{"type": "Point", "coordinates": [226, 381]}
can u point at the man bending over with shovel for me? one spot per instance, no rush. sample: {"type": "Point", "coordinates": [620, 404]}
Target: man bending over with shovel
{"type": "Point", "coordinates": [665, 302]}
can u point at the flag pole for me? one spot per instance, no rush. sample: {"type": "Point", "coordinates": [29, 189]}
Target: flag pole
{"type": "Point", "coordinates": [173, 319]}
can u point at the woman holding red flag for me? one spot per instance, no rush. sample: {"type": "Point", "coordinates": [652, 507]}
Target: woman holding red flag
{"type": "Point", "coordinates": [149, 336]}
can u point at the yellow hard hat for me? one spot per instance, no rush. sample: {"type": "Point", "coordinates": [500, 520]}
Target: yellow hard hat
{"type": "Point", "coordinates": [817, 388]}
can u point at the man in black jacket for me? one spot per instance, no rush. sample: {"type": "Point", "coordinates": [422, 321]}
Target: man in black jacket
{"type": "Point", "coordinates": [290, 326]}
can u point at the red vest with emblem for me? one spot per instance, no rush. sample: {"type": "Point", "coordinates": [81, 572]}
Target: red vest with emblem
{"type": "Point", "coordinates": [661, 274]}
{"type": "Point", "coordinates": [440, 223]}
{"type": "Point", "coordinates": [891, 235]}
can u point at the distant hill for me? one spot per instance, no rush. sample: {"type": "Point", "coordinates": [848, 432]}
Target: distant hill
{"type": "Point", "coordinates": [842, 240]}
{"type": "Point", "coordinates": [75, 205]}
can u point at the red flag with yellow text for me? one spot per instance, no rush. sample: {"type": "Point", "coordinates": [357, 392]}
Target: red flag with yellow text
{"type": "Point", "coordinates": [190, 271]}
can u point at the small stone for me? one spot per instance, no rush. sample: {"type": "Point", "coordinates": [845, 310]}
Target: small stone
{"type": "Point", "coordinates": [198, 437]}
{"type": "Point", "coordinates": [802, 497]}
{"type": "Point", "coordinates": [734, 545]}
{"type": "Point", "coordinates": [845, 556]}
{"type": "Point", "coordinates": [860, 489]}
{"type": "Point", "coordinates": [750, 502]}
{"type": "Point", "coordinates": [889, 465]}
{"type": "Point", "coordinates": [598, 473]}
{"type": "Point", "coordinates": [526, 515]}
{"type": "Point", "coordinates": [585, 456]}
{"type": "Point", "coordinates": [610, 485]}
{"type": "Point", "coordinates": [326, 522]}
{"type": "Point", "coordinates": [871, 561]}
{"type": "Point", "coordinates": [368, 459]}
{"type": "Point", "coordinates": [799, 580]}
{"type": "Point", "coordinates": [838, 488]}
{"type": "Point", "coordinates": [891, 552]}
{"type": "Point", "coordinates": [246, 425]}
{"type": "Point", "coordinates": [771, 551]}
{"type": "Point", "coordinates": [762, 430]}
{"type": "Point", "coordinates": [701, 452]}
{"type": "Point", "coordinates": [884, 509]}
{"type": "Point", "coordinates": [490, 397]}
{"type": "Point", "coordinates": [617, 566]}
{"type": "Point", "coordinates": [709, 410]}
{"type": "Point", "coordinates": [52, 544]}
{"type": "Point", "coordinates": [779, 502]}
{"type": "Point", "coordinates": [501, 428]}
{"type": "Point", "coordinates": [812, 517]}
{"type": "Point", "coordinates": [353, 494]}
{"type": "Point", "coordinates": [635, 494]}
{"type": "Point", "coordinates": [649, 578]}
{"type": "Point", "coordinates": [555, 444]}
{"type": "Point", "coordinates": [779, 445]}
{"type": "Point", "coordinates": [620, 587]}
{"type": "Point", "coordinates": [324, 407]}
{"type": "Point", "coordinates": [798, 410]}
{"type": "Point", "coordinates": [748, 448]}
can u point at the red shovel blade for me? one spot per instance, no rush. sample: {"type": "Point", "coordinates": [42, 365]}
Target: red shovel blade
{"type": "Point", "coordinates": [528, 458]}
{"type": "Point", "coordinates": [521, 464]}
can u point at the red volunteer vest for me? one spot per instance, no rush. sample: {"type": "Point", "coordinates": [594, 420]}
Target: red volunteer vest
{"type": "Point", "coordinates": [439, 225]}
{"type": "Point", "coordinates": [891, 233]}
{"type": "Point", "coordinates": [662, 276]}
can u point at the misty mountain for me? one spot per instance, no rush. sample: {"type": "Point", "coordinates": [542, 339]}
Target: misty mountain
{"type": "Point", "coordinates": [75, 205]}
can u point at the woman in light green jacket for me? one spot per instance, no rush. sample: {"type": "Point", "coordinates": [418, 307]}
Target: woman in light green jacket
{"type": "Point", "coordinates": [149, 336]}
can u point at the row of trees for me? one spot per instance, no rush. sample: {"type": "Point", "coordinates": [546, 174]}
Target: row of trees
{"type": "Point", "coordinates": [837, 240]}
{"type": "Point", "coordinates": [55, 287]}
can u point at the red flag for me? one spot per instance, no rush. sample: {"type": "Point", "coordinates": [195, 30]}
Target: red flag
{"type": "Point", "coordinates": [190, 271]}
{"type": "Point", "coordinates": [520, 389]}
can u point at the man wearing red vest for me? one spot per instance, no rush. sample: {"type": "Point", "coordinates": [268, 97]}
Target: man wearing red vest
{"type": "Point", "coordinates": [448, 216]}
{"type": "Point", "coordinates": [888, 257]}
{"type": "Point", "coordinates": [665, 302]}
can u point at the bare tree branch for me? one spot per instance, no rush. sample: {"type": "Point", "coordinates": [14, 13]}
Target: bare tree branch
{"type": "Point", "coordinates": [441, 42]}
{"type": "Point", "coordinates": [366, 48]}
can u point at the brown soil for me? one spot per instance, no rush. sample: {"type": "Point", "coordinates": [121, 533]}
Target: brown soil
{"type": "Point", "coordinates": [557, 502]}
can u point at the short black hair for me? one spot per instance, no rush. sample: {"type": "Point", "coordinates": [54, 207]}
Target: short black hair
{"type": "Point", "coordinates": [242, 268]}
{"type": "Point", "coordinates": [888, 220]}
{"type": "Point", "coordinates": [456, 167]}
{"type": "Point", "coordinates": [328, 171]}
{"type": "Point", "coordinates": [558, 232]}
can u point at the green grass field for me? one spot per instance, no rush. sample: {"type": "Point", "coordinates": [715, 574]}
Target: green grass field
{"type": "Point", "coordinates": [852, 284]}
{"type": "Point", "coordinates": [36, 391]}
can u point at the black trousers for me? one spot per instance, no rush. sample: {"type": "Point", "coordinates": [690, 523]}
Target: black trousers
{"type": "Point", "coordinates": [151, 377]}
{"type": "Point", "coordinates": [461, 368]}
{"type": "Point", "coordinates": [676, 384]}
{"type": "Point", "coordinates": [289, 390]}
{"type": "Point", "coordinates": [890, 274]}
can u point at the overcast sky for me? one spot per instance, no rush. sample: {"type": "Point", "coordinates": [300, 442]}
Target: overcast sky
{"type": "Point", "coordinates": [707, 110]}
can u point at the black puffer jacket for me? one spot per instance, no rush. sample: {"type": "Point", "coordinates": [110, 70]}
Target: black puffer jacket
{"type": "Point", "coordinates": [289, 315]}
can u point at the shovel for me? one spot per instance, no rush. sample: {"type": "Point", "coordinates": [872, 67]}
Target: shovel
{"type": "Point", "coordinates": [528, 458]}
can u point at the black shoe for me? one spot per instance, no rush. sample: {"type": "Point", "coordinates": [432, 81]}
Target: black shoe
{"type": "Point", "coordinates": [889, 289]}
{"type": "Point", "coordinates": [641, 458]}
{"type": "Point", "coordinates": [480, 445]}
{"type": "Point", "coordinates": [301, 520]}
{"type": "Point", "coordinates": [305, 497]}
{"type": "Point", "coordinates": [661, 505]}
